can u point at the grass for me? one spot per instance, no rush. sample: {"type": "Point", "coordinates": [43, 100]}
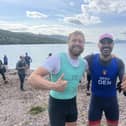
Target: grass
{"type": "Point", "coordinates": [36, 110]}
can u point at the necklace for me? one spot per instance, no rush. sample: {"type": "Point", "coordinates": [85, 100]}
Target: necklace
{"type": "Point", "coordinates": [104, 72]}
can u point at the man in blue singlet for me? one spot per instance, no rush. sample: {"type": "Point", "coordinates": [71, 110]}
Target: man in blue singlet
{"type": "Point", "coordinates": [66, 71]}
{"type": "Point", "coordinates": [104, 69]}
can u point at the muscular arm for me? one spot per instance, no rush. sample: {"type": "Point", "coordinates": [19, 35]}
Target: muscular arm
{"type": "Point", "coordinates": [121, 70]}
{"type": "Point", "coordinates": [122, 77]}
{"type": "Point", "coordinates": [37, 80]}
{"type": "Point", "coordinates": [121, 85]}
{"type": "Point", "coordinates": [88, 58]}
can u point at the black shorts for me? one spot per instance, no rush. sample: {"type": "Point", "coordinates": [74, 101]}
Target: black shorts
{"type": "Point", "coordinates": [61, 111]}
{"type": "Point", "coordinates": [109, 106]}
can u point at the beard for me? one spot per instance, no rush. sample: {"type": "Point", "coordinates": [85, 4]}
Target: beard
{"type": "Point", "coordinates": [76, 50]}
{"type": "Point", "coordinates": [106, 51]}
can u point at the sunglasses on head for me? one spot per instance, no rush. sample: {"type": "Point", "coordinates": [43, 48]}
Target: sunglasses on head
{"type": "Point", "coordinates": [108, 40]}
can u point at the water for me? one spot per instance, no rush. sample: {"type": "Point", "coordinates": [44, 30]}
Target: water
{"type": "Point", "coordinates": [40, 52]}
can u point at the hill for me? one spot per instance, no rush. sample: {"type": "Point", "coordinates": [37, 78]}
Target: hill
{"type": "Point", "coordinates": [8, 37]}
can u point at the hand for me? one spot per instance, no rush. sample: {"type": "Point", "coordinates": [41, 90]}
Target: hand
{"type": "Point", "coordinates": [123, 85]}
{"type": "Point", "coordinates": [60, 84]}
{"type": "Point", "coordinates": [119, 87]}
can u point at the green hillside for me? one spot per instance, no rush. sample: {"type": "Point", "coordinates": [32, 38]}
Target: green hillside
{"type": "Point", "coordinates": [8, 37]}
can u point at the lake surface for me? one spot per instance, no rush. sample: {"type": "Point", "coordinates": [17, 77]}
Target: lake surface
{"type": "Point", "coordinates": [40, 52]}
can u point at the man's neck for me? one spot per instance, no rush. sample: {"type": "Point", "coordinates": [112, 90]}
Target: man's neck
{"type": "Point", "coordinates": [72, 56]}
{"type": "Point", "coordinates": [107, 58]}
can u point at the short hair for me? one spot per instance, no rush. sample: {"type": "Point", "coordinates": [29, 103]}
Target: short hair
{"type": "Point", "coordinates": [21, 57]}
{"type": "Point", "coordinates": [50, 54]}
{"type": "Point", "coordinates": [77, 32]}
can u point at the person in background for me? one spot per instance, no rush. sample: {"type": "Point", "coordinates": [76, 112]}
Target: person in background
{"type": "Point", "coordinates": [2, 71]}
{"type": "Point", "coordinates": [104, 69]}
{"type": "Point", "coordinates": [21, 68]}
{"type": "Point", "coordinates": [66, 71]}
{"type": "Point", "coordinates": [50, 54]}
{"type": "Point", "coordinates": [5, 61]}
{"type": "Point", "coordinates": [28, 60]}
{"type": "Point", "coordinates": [49, 76]}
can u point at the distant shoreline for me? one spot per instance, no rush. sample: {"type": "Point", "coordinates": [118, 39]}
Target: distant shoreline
{"type": "Point", "coordinates": [32, 43]}
{"type": "Point", "coordinates": [51, 43]}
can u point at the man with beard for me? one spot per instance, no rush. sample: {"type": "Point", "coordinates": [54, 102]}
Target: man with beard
{"type": "Point", "coordinates": [104, 69]}
{"type": "Point", "coordinates": [66, 71]}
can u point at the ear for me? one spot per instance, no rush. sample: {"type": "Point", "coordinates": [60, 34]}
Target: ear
{"type": "Point", "coordinates": [98, 44]}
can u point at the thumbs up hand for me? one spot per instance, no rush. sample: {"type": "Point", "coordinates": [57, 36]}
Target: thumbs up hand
{"type": "Point", "coordinates": [60, 84]}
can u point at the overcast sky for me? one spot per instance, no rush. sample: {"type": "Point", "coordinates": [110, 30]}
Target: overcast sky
{"type": "Point", "coordinates": [93, 17]}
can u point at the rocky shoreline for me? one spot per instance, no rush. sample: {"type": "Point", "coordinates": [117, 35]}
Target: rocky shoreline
{"type": "Point", "coordinates": [15, 105]}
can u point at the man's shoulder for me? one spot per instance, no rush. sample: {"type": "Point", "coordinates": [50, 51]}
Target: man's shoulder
{"type": "Point", "coordinates": [18, 61]}
{"type": "Point", "coordinates": [119, 60]}
{"type": "Point", "coordinates": [90, 56]}
{"type": "Point", "coordinates": [52, 59]}
{"type": "Point", "coordinates": [116, 57]}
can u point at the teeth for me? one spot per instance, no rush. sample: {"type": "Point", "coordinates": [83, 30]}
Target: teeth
{"type": "Point", "coordinates": [106, 49]}
{"type": "Point", "coordinates": [76, 48]}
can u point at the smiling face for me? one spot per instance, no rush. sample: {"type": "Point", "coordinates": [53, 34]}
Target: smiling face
{"type": "Point", "coordinates": [106, 47]}
{"type": "Point", "coordinates": [76, 43]}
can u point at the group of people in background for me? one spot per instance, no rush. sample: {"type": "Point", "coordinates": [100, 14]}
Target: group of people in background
{"type": "Point", "coordinates": [22, 66]}
{"type": "Point", "coordinates": [3, 68]}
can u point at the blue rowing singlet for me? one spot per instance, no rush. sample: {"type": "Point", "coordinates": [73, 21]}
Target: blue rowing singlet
{"type": "Point", "coordinates": [104, 77]}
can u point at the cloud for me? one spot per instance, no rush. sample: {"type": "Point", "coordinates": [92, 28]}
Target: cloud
{"type": "Point", "coordinates": [90, 33]}
{"type": "Point", "coordinates": [83, 19]}
{"type": "Point", "coordinates": [105, 6]}
{"type": "Point", "coordinates": [90, 10]}
{"type": "Point", "coordinates": [73, 20]}
{"type": "Point", "coordinates": [37, 29]}
{"type": "Point", "coordinates": [13, 26]}
{"type": "Point", "coordinates": [12, 1]}
{"type": "Point", "coordinates": [72, 4]}
{"type": "Point", "coordinates": [86, 1]}
{"type": "Point", "coordinates": [35, 14]}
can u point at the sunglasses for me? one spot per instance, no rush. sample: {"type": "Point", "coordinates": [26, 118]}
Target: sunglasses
{"type": "Point", "coordinates": [108, 40]}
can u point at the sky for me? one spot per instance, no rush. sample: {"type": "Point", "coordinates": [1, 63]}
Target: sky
{"type": "Point", "coordinates": [93, 17]}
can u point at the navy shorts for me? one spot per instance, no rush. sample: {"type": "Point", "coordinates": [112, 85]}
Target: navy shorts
{"type": "Point", "coordinates": [109, 106]}
{"type": "Point", "coordinates": [61, 111]}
